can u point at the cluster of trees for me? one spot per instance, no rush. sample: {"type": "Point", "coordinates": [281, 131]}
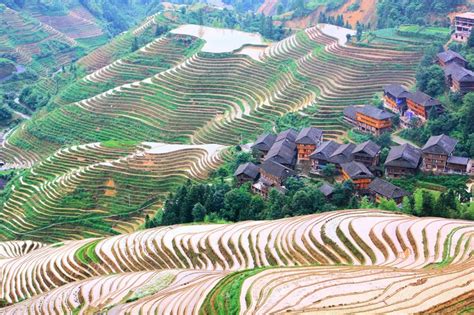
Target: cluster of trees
{"type": "Point", "coordinates": [233, 19]}
{"type": "Point", "coordinates": [34, 98]}
{"type": "Point", "coordinates": [392, 13]}
{"type": "Point", "coordinates": [215, 202]}
{"type": "Point", "coordinates": [337, 20]}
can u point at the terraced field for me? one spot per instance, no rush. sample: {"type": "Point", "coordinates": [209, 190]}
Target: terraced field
{"type": "Point", "coordinates": [212, 98]}
{"type": "Point", "coordinates": [373, 261]}
{"type": "Point", "coordinates": [96, 189]}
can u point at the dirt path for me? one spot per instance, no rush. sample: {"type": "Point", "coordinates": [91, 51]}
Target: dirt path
{"type": "Point", "coordinates": [399, 140]}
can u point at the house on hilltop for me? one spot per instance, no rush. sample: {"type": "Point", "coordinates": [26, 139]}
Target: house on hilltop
{"type": "Point", "coordinates": [307, 141]}
{"type": "Point", "coordinates": [436, 152]}
{"type": "Point", "coordinates": [402, 160]}
{"type": "Point", "coordinates": [382, 189]}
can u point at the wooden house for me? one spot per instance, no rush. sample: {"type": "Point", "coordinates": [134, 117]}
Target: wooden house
{"type": "Point", "coordinates": [367, 153]}
{"type": "Point", "coordinates": [395, 98]}
{"type": "Point", "coordinates": [422, 105]}
{"type": "Point", "coordinates": [463, 24]}
{"type": "Point", "coordinates": [459, 79]}
{"type": "Point", "coordinates": [307, 141]}
{"type": "Point", "coordinates": [263, 144]}
{"type": "Point", "coordinates": [358, 173]}
{"type": "Point", "coordinates": [380, 188]}
{"type": "Point", "coordinates": [436, 152]}
{"type": "Point", "coordinates": [450, 57]}
{"type": "Point", "coordinates": [322, 155]}
{"type": "Point", "coordinates": [458, 165]}
{"type": "Point", "coordinates": [247, 172]}
{"type": "Point", "coordinates": [369, 119]}
{"type": "Point", "coordinates": [402, 161]}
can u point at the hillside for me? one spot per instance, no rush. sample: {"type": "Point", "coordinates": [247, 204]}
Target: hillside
{"type": "Point", "coordinates": [372, 259]}
{"type": "Point", "coordinates": [218, 102]}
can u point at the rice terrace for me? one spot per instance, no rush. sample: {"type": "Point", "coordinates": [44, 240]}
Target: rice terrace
{"type": "Point", "coordinates": [236, 157]}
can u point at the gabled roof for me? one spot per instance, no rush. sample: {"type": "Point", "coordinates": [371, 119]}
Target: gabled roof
{"type": "Point", "coordinates": [387, 189]}
{"type": "Point", "coordinates": [459, 160]}
{"type": "Point", "coordinates": [356, 170]}
{"type": "Point", "coordinates": [449, 55]}
{"type": "Point", "coordinates": [343, 154]}
{"type": "Point", "coordinates": [325, 150]}
{"type": "Point", "coordinates": [264, 142]}
{"type": "Point", "coordinates": [459, 73]}
{"type": "Point", "coordinates": [276, 169]}
{"type": "Point", "coordinates": [374, 112]}
{"type": "Point", "coordinates": [289, 134]}
{"type": "Point", "coordinates": [441, 144]}
{"type": "Point", "coordinates": [283, 152]}
{"type": "Point", "coordinates": [423, 99]}
{"type": "Point", "coordinates": [326, 189]}
{"type": "Point", "coordinates": [396, 90]}
{"type": "Point", "coordinates": [350, 112]}
{"type": "Point", "coordinates": [249, 169]}
{"type": "Point", "coordinates": [309, 135]}
{"type": "Point", "coordinates": [404, 156]}
{"type": "Point", "coordinates": [369, 148]}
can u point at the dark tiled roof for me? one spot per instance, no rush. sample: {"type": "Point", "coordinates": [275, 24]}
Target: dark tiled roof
{"type": "Point", "coordinates": [325, 150]}
{"type": "Point", "coordinates": [264, 142]}
{"type": "Point", "coordinates": [396, 90]}
{"type": "Point", "coordinates": [448, 55]}
{"type": "Point", "coordinates": [386, 189]}
{"type": "Point", "coordinates": [375, 112]}
{"type": "Point", "coordinates": [276, 169]}
{"type": "Point", "coordinates": [282, 152]}
{"type": "Point", "coordinates": [367, 110]}
{"type": "Point", "coordinates": [370, 148]}
{"type": "Point", "coordinates": [289, 135]}
{"type": "Point", "coordinates": [439, 145]}
{"type": "Point", "coordinates": [249, 169]}
{"type": "Point", "coordinates": [404, 156]}
{"type": "Point", "coordinates": [356, 170]}
{"type": "Point", "coordinates": [326, 189]}
{"type": "Point", "coordinates": [459, 160]}
{"type": "Point", "coordinates": [423, 99]}
{"type": "Point", "coordinates": [309, 135]}
{"type": "Point", "coordinates": [350, 112]}
{"type": "Point", "coordinates": [459, 73]}
{"type": "Point", "coordinates": [343, 154]}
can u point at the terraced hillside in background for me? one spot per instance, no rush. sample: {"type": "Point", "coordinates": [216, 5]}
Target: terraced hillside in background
{"type": "Point", "coordinates": [373, 261]}
{"type": "Point", "coordinates": [211, 98]}
{"type": "Point", "coordinates": [99, 189]}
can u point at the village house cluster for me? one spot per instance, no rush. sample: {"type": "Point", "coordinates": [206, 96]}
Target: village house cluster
{"type": "Point", "coordinates": [458, 77]}
{"type": "Point", "coordinates": [282, 156]}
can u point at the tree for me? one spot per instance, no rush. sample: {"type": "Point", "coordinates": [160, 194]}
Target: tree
{"type": "Point", "coordinates": [431, 80]}
{"type": "Point", "coordinates": [407, 205]}
{"type": "Point", "coordinates": [329, 170]}
{"type": "Point", "coordinates": [365, 203]}
{"type": "Point", "coordinates": [199, 212]}
{"type": "Point", "coordinates": [427, 206]}
{"type": "Point", "coordinates": [470, 40]}
{"type": "Point", "coordinates": [384, 140]}
{"type": "Point", "coordinates": [5, 114]}
{"type": "Point", "coordinates": [235, 201]}
{"type": "Point", "coordinates": [359, 30]}
{"type": "Point", "coordinates": [386, 204]}
{"type": "Point", "coordinates": [135, 44]}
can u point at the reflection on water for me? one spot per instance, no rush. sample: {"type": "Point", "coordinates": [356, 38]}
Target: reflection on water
{"type": "Point", "coordinates": [337, 32]}
{"type": "Point", "coordinates": [219, 40]}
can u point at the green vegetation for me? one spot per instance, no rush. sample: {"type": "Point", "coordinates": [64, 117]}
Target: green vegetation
{"type": "Point", "coordinates": [224, 298]}
{"type": "Point", "coordinates": [87, 255]}
{"type": "Point", "coordinates": [392, 13]}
